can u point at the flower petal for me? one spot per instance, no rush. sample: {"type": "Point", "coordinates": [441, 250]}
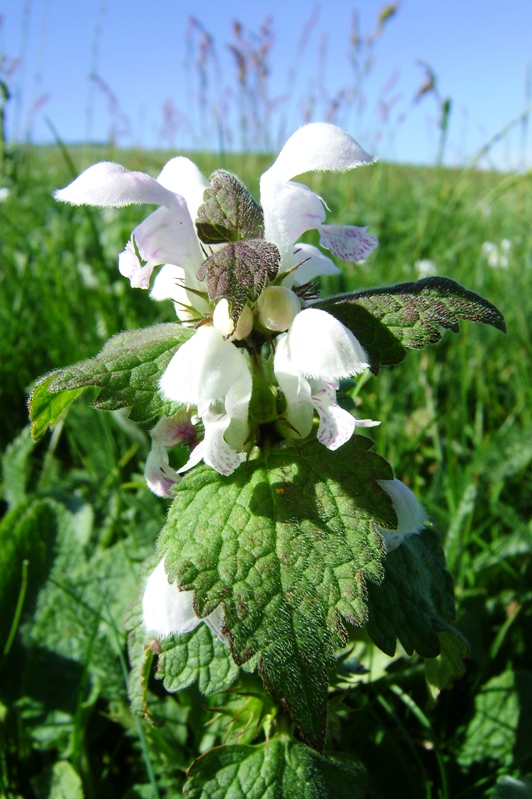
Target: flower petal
{"type": "Point", "coordinates": [169, 284]}
{"type": "Point", "coordinates": [173, 430]}
{"type": "Point", "coordinates": [320, 346]}
{"type": "Point", "coordinates": [166, 609]}
{"type": "Point", "coordinates": [315, 263]}
{"type": "Point", "coordinates": [205, 369]}
{"type": "Point", "coordinates": [182, 176]}
{"type": "Point", "coordinates": [411, 516]}
{"type": "Point", "coordinates": [131, 267]}
{"type": "Point", "coordinates": [108, 183]}
{"type": "Point", "coordinates": [348, 242]}
{"type": "Point", "coordinates": [318, 147]}
{"type": "Point", "coordinates": [217, 453]}
{"type": "Point", "coordinates": [159, 475]}
{"type": "Point", "coordinates": [296, 389]}
{"type": "Point", "coordinates": [336, 425]}
{"type": "Point", "coordinates": [289, 210]}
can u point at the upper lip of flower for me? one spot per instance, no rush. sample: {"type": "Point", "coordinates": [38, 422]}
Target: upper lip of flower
{"type": "Point", "coordinates": [290, 208]}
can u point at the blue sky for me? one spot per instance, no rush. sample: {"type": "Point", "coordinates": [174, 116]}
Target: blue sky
{"type": "Point", "coordinates": [144, 55]}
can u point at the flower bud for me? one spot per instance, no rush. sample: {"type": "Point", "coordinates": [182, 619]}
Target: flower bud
{"type": "Point", "coordinates": [277, 308]}
{"type": "Point", "coordinates": [221, 319]}
{"type": "Point", "coordinates": [225, 325]}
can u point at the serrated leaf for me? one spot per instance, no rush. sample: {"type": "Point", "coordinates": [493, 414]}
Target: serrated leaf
{"type": "Point", "coordinates": [410, 313]}
{"type": "Point", "coordinates": [240, 272]}
{"type": "Point", "coordinates": [448, 665]}
{"type": "Point", "coordinates": [228, 212]}
{"type": "Point", "coordinates": [280, 769]}
{"type": "Point", "coordinates": [196, 656]}
{"type": "Point", "coordinates": [287, 545]}
{"type": "Point", "coordinates": [501, 728]}
{"type": "Point", "coordinates": [415, 601]}
{"type": "Point", "coordinates": [127, 372]}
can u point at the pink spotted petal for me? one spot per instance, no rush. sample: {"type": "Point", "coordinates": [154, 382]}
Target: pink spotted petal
{"type": "Point", "coordinates": [348, 242]}
{"type": "Point", "coordinates": [336, 425]}
{"type": "Point", "coordinates": [159, 475]}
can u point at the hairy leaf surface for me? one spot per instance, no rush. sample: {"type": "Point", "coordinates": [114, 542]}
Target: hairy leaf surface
{"type": "Point", "coordinates": [127, 372]}
{"type": "Point", "coordinates": [228, 212]}
{"type": "Point", "coordinates": [280, 769]}
{"type": "Point", "coordinates": [415, 600]}
{"type": "Point", "coordinates": [240, 272]}
{"type": "Point", "coordinates": [287, 545]}
{"type": "Point", "coordinates": [388, 321]}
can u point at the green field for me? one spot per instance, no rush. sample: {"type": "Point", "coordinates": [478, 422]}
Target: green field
{"type": "Point", "coordinates": [78, 520]}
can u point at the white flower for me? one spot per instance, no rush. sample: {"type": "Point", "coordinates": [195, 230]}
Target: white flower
{"type": "Point", "coordinates": [167, 433]}
{"type": "Point", "coordinates": [168, 235]}
{"type": "Point", "coordinates": [209, 372]}
{"type": "Point", "coordinates": [309, 361]}
{"type": "Point", "coordinates": [291, 208]}
{"type": "Point", "coordinates": [495, 256]}
{"type": "Point", "coordinates": [425, 268]}
{"type": "Point", "coordinates": [411, 516]}
{"type": "Point", "coordinates": [167, 610]}
{"type": "Point", "coordinates": [212, 375]}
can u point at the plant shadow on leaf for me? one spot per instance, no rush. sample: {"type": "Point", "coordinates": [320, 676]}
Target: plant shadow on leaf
{"type": "Point", "coordinates": [287, 545]}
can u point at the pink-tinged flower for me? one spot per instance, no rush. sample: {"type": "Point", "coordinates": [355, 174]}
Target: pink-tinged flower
{"type": "Point", "coordinates": [210, 374]}
{"type": "Point", "coordinates": [167, 433]}
{"type": "Point", "coordinates": [168, 235]}
{"type": "Point", "coordinates": [411, 516]}
{"type": "Point", "coordinates": [291, 208]}
{"type": "Point", "coordinates": [310, 360]}
{"type": "Point", "coordinates": [166, 610]}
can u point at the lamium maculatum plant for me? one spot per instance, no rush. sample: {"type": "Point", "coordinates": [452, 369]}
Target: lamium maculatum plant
{"type": "Point", "coordinates": [286, 530]}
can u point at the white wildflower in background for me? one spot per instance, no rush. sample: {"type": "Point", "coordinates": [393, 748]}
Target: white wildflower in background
{"type": "Point", "coordinates": [4, 194]}
{"type": "Point", "coordinates": [425, 268]}
{"type": "Point", "coordinates": [497, 256]}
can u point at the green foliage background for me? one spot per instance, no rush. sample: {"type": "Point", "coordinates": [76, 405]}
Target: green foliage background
{"type": "Point", "coordinates": [78, 521]}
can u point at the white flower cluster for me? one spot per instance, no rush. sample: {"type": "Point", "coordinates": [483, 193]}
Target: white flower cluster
{"type": "Point", "coordinates": [210, 375]}
{"type": "Point", "coordinates": [497, 256]}
{"type": "Point", "coordinates": [225, 384]}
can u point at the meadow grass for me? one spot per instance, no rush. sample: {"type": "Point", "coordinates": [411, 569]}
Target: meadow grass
{"type": "Point", "coordinates": [456, 426]}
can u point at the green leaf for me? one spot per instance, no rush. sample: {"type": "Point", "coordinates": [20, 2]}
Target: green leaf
{"type": "Point", "coordinates": [279, 768]}
{"type": "Point", "coordinates": [47, 407]}
{"type": "Point", "coordinates": [287, 545]}
{"type": "Point", "coordinates": [388, 321]}
{"type": "Point", "coordinates": [27, 533]}
{"type": "Point", "coordinates": [448, 665]}
{"type": "Point", "coordinates": [228, 212]}
{"type": "Point", "coordinates": [196, 656]}
{"type": "Point", "coordinates": [240, 272]}
{"type": "Point", "coordinates": [59, 781]}
{"type": "Point", "coordinates": [127, 372]}
{"type": "Point", "coordinates": [415, 601]}
{"type": "Point", "coordinates": [16, 466]}
{"type": "Point", "coordinates": [501, 728]}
